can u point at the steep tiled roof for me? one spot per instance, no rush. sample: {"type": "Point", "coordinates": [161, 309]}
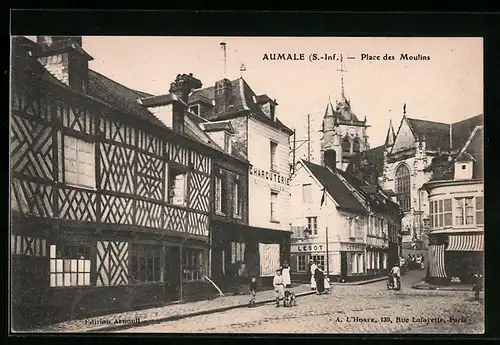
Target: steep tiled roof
{"type": "Point", "coordinates": [436, 134]}
{"type": "Point", "coordinates": [119, 96]}
{"type": "Point", "coordinates": [344, 112]}
{"type": "Point", "coordinates": [376, 200]}
{"type": "Point", "coordinates": [375, 156]}
{"type": "Point", "coordinates": [335, 187]}
{"type": "Point", "coordinates": [474, 148]}
{"type": "Point", "coordinates": [242, 101]}
{"type": "Point", "coordinates": [462, 130]}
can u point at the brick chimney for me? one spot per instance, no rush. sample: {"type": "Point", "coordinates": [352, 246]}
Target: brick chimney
{"type": "Point", "coordinates": [330, 159]}
{"type": "Point", "coordinates": [65, 59]}
{"type": "Point", "coordinates": [223, 95]}
{"type": "Point", "coordinates": [183, 85]}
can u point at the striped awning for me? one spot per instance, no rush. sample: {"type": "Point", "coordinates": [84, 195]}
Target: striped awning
{"type": "Point", "coordinates": [466, 243]}
{"type": "Point", "coordinates": [436, 261]}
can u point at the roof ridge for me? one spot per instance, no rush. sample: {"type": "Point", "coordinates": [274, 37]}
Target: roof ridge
{"type": "Point", "coordinates": [441, 123]}
{"type": "Point", "coordinates": [138, 92]}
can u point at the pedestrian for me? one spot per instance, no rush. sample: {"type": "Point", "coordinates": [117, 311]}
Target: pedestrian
{"type": "Point", "coordinates": [278, 286]}
{"type": "Point", "coordinates": [313, 270]}
{"type": "Point", "coordinates": [395, 273]}
{"type": "Point", "coordinates": [477, 284]}
{"type": "Point", "coordinates": [253, 291]}
{"type": "Point", "coordinates": [327, 284]}
{"type": "Point", "coordinates": [285, 272]}
{"type": "Point", "coordinates": [319, 276]}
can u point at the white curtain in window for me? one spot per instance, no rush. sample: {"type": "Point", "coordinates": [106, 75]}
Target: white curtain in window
{"type": "Point", "coordinates": [269, 259]}
{"type": "Point", "coordinates": [179, 189]}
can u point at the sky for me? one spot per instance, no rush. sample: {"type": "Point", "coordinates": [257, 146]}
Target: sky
{"type": "Point", "coordinates": [446, 88]}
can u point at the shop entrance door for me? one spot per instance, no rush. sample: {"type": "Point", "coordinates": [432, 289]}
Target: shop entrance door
{"type": "Point", "coordinates": [172, 273]}
{"type": "Point", "coordinates": [343, 265]}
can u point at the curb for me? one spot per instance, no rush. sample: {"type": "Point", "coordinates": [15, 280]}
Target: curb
{"type": "Point", "coordinates": [361, 282]}
{"type": "Point", "coordinates": [417, 287]}
{"type": "Point", "coordinates": [183, 316]}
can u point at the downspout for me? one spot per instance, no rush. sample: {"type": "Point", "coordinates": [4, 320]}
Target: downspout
{"type": "Point", "coordinates": [180, 263]}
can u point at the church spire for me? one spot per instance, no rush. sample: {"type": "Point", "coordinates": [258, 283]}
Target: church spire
{"type": "Point", "coordinates": [389, 139]}
{"type": "Point", "coordinates": [342, 70]}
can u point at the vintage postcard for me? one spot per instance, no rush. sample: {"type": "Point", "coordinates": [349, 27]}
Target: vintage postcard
{"type": "Point", "coordinates": [246, 185]}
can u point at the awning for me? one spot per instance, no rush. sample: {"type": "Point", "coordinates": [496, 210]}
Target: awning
{"type": "Point", "coordinates": [466, 243]}
{"type": "Point", "coordinates": [436, 261]}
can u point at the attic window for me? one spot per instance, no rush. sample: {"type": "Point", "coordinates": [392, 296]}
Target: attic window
{"type": "Point", "coordinates": [463, 167]}
{"type": "Point", "coordinates": [227, 142]}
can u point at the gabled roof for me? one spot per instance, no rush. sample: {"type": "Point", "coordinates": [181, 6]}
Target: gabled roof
{"type": "Point", "coordinates": [335, 187]}
{"type": "Point", "coordinates": [120, 97]}
{"type": "Point", "coordinates": [242, 102]}
{"type": "Point", "coordinates": [464, 157]}
{"type": "Point", "coordinates": [435, 134]}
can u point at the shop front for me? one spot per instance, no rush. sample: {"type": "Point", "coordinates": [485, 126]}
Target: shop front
{"type": "Point", "coordinates": [352, 261]}
{"type": "Point", "coordinates": [303, 253]}
{"type": "Point", "coordinates": [378, 261]}
{"type": "Point", "coordinates": [240, 252]}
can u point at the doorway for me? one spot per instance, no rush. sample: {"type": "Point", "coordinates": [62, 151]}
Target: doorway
{"type": "Point", "coordinates": [172, 273]}
{"type": "Point", "coordinates": [343, 265]}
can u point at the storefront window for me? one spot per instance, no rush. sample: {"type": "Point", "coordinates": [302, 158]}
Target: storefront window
{"type": "Point", "coordinates": [69, 265]}
{"type": "Point", "coordinates": [192, 264]}
{"type": "Point", "coordinates": [354, 263]}
{"type": "Point", "coordinates": [319, 259]}
{"type": "Point", "coordinates": [145, 263]}
{"type": "Point", "coordinates": [301, 263]}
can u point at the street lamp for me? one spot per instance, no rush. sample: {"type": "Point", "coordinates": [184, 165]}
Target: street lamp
{"type": "Point", "coordinates": [307, 232]}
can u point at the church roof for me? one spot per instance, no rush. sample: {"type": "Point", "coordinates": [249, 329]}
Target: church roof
{"type": "Point", "coordinates": [243, 100]}
{"type": "Point", "coordinates": [343, 111]}
{"type": "Point", "coordinates": [374, 155]}
{"type": "Point", "coordinates": [435, 134]}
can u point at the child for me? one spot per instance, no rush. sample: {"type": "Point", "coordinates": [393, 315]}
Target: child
{"type": "Point", "coordinates": [278, 287]}
{"type": "Point", "coordinates": [327, 285]}
{"type": "Point", "coordinates": [253, 291]}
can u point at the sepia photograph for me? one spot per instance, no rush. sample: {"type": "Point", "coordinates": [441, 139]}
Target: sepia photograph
{"type": "Point", "coordinates": [246, 185]}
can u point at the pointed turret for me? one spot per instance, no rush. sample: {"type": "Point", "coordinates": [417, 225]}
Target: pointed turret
{"type": "Point", "coordinates": [391, 136]}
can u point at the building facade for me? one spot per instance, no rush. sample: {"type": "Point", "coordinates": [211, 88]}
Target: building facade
{"type": "Point", "coordinates": [262, 139]}
{"type": "Point", "coordinates": [110, 189]}
{"type": "Point", "coordinates": [349, 230]}
{"type": "Point", "coordinates": [403, 163]}
{"type": "Point", "coordinates": [456, 214]}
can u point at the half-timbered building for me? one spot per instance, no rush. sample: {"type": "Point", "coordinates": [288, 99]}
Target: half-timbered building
{"type": "Point", "coordinates": [110, 188]}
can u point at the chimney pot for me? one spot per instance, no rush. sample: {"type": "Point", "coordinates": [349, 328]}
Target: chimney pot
{"type": "Point", "coordinates": [183, 85]}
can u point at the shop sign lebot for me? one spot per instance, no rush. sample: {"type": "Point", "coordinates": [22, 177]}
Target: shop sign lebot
{"type": "Point", "coordinates": [308, 248]}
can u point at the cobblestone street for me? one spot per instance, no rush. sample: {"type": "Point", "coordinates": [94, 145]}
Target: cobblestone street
{"type": "Point", "coordinates": [367, 308]}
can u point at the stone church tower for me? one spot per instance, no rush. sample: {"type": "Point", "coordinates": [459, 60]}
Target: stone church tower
{"type": "Point", "coordinates": [342, 131]}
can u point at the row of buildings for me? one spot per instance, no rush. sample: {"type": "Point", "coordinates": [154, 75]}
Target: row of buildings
{"type": "Point", "coordinates": [435, 173]}
{"type": "Point", "coordinates": [121, 199]}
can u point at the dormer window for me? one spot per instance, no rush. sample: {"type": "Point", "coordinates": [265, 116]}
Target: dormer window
{"type": "Point", "coordinates": [227, 142]}
{"type": "Point", "coordinates": [464, 166]}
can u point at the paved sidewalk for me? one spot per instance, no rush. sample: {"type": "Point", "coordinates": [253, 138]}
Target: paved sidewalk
{"type": "Point", "coordinates": [112, 322]}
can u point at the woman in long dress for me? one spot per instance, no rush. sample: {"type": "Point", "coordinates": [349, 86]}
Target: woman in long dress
{"type": "Point", "coordinates": [285, 272]}
{"type": "Point", "coordinates": [313, 280]}
{"type": "Point", "coordinates": [319, 276]}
